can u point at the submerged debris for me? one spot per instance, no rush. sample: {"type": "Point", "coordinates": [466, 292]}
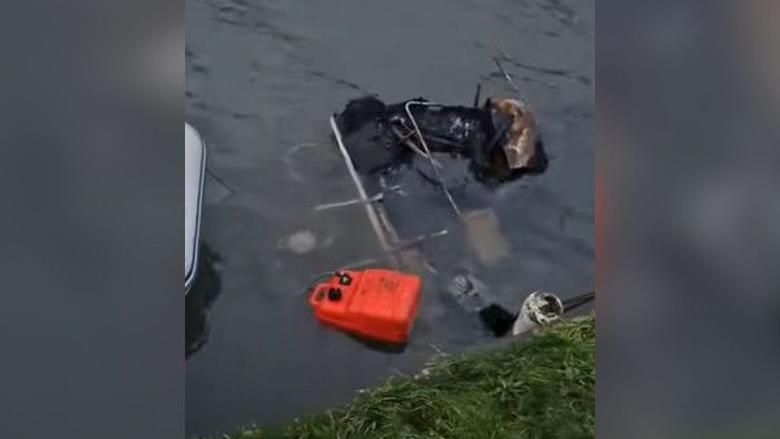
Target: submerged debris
{"type": "Point", "coordinates": [300, 242]}
{"type": "Point", "coordinates": [539, 309]}
{"type": "Point", "coordinates": [500, 138]}
{"type": "Point", "coordinates": [485, 237]}
{"type": "Point", "coordinates": [468, 291]}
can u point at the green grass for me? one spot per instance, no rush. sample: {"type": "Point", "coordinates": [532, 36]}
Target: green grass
{"type": "Point", "coordinates": [538, 388]}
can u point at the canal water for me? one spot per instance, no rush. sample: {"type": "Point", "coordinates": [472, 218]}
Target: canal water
{"type": "Point", "coordinates": [262, 79]}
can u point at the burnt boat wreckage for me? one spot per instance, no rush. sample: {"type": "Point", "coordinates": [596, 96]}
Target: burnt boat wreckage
{"type": "Point", "coordinates": [499, 140]}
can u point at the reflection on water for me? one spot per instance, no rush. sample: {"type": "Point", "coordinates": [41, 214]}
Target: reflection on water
{"type": "Point", "coordinates": [199, 300]}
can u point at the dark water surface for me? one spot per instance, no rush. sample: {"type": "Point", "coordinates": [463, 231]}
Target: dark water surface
{"type": "Point", "coordinates": [262, 79]}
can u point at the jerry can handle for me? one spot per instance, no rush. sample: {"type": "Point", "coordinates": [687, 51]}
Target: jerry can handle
{"type": "Point", "coordinates": [318, 293]}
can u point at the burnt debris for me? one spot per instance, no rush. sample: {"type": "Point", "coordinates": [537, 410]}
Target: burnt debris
{"type": "Point", "coordinates": [500, 138]}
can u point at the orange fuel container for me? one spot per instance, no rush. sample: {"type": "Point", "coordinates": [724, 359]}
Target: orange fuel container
{"type": "Point", "coordinates": [376, 304]}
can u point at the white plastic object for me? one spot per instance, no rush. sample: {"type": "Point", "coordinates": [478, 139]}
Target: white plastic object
{"type": "Point", "coordinates": [538, 309]}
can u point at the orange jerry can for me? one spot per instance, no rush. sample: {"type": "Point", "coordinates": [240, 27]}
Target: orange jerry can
{"type": "Point", "coordinates": [376, 304]}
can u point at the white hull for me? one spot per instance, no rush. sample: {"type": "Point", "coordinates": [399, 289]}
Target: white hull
{"type": "Point", "coordinates": [194, 171]}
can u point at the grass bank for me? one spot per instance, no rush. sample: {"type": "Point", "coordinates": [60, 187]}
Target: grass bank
{"type": "Point", "coordinates": [538, 388]}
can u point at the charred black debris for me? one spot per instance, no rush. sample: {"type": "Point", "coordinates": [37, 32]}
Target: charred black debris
{"type": "Point", "coordinates": [500, 138]}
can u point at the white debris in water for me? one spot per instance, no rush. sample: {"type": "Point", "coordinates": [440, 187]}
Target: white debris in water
{"type": "Point", "coordinates": [538, 309]}
{"type": "Point", "coordinates": [457, 123]}
{"type": "Point", "coordinates": [468, 291]}
{"type": "Point", "coordinates": [300, 242]}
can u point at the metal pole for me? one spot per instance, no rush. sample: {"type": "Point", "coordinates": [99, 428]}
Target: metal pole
{"type": "Point", "coordinates": [372, 216]}
{"type": "Point", "coordinates": [428, 152]}
{"type": "Point", "coordinates": [508, 78]}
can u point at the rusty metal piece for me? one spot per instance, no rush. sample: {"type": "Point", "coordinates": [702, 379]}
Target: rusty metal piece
{"type": "Point", "coordinates": [371, 211]}
{"type": "Point", "coordinates": [520, 148]}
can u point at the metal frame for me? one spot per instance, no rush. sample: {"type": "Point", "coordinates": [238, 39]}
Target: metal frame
{"type": "Point", "coordinates": [373, 216]}
{"type": "Point", "coordinates": [428, 151]}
